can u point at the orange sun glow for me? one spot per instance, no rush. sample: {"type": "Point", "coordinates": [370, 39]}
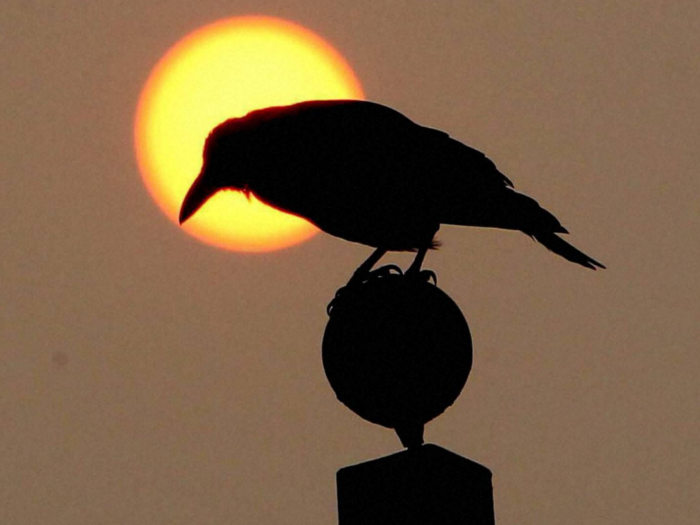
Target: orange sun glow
{"type": "Point", "coordinates": [220, 71]}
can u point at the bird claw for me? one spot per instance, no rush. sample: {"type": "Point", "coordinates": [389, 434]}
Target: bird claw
{"type": "Point", "coordinates": [358, 279]}
{"type": "Point", "coordinates": [329, 307]}
{"type": "Point", "coordinates": [338, 293]}
{"type": "Point", "coordinates": [422, 275]}
{"type": "Point", "coordinates": [380, 273]}
{"type": "Point", "coordinates": [385, 271]}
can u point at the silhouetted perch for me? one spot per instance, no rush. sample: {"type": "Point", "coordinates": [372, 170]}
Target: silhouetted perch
{"type": "Point", "coordinates": [422, 486]}
{"type": "Point", "coordinates": [397, 351]}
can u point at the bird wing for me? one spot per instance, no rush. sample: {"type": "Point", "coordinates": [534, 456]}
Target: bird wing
{"type": "Point", "coordinates": [365, 172]}
{"type": "Point", "coordinates": [351, 167]}
{"type": "Point", "coordinates": [371, 146]}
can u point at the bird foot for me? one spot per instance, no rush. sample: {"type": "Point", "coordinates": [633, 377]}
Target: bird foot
{"type": "Point", "coordinates": [361, 277]}
{"type": "Point", "coordinates": [385, 271]}
{"type": "Point", "coordinates": [422, 275]}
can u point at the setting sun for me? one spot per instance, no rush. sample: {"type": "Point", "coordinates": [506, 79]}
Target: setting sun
{"type": "Point", "coordinates": [221, 71]}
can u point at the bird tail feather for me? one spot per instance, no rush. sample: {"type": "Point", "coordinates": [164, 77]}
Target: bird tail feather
{"type": "Point", "coordinates": [504, 209]}
{"type": "Point", "coordinates": [554, 243]}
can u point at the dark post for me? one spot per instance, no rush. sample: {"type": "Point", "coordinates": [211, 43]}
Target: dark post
{"type": "Point", "coordinates": [424, 485]}
{"type": "Point", "coordinates": [397, 351]}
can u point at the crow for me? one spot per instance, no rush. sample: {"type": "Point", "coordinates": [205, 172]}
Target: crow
{"type": "Point", "coordinates": [364, 172]}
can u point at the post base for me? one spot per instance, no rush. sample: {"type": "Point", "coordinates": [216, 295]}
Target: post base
{"type": "Point", "coordinates": [423, 485]}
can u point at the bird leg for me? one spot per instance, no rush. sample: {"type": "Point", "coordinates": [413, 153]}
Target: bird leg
{"type": "Point", "coordinates": [363, 270]}
{"type": "Point", "coordinates": [414, 270]}
{"type": "Point", "coordinates": [417, 262]}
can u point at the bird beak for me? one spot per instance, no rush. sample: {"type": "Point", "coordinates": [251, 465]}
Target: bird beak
{"type": "Point", "coordinates": [198, 194]}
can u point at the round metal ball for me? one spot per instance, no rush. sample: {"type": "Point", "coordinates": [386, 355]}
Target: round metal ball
{"type": "Point", "coordinates": [396, 350]}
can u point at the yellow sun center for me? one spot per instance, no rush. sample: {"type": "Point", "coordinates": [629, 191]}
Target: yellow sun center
{"type": "Point", "coordinates": [221, 71]}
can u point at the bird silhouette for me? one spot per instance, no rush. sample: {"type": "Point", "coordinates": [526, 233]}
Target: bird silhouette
{"type": "Point", "coordinates": [366, 173]}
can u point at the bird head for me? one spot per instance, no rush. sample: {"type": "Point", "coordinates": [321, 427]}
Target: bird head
{"type": "Point", "coordinates": [221, 168]}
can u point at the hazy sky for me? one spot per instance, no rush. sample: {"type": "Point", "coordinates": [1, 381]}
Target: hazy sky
{"type": "Point", "coordinates": [148, 378]}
